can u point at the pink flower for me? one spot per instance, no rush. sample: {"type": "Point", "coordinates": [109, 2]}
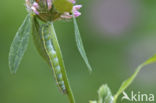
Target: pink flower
{"type": "Point", "coordinates": [75, 10]}
{"type": "Point", "coordinates": [77, 7]}
{"type": "Point", "coordinates": [34, 10]}
{"type": "Point", "coordinates": [77, 13]}
{"type": "Point", "coordinates": [49, 3]}
{"type": "Point", "coordinates": [35, 4]}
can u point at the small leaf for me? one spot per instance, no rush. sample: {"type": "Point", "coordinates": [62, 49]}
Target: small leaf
{"type": "Point", "coordinates": [80, 44]}
{"type": "Point", "coordinates": [37, 39]}
{"type": "Point", "coordinates": [63, 6]}
{"type": "Point", "coordinates": [127, 82]}
{"type": "Point", "coordinates": [105, 95]}
{"type": "Point", "coordinates": [19, 44]}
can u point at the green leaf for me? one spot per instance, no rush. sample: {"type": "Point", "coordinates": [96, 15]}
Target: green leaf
{"type": "Point", "coordinates": [80, 44]}
{"type": "Point", "coordinates": [19, 44]}
{"type": "Point", "coordinates": [63, 6]}
{"type": "Point", "coordinates": [105, 95]}
{"type": "Point", "coordinates": [37, 39]}
{"type": "Point", "coordinates": [127, 82]}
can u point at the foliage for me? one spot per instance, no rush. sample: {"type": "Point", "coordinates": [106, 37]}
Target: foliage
{"type": "Point", "coordinates": [104, 92]}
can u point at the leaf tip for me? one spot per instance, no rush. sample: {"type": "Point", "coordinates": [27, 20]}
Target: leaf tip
{"type": "Point", "coordinates": [12, 69]}
{"type": "Point", "coordinates": [90, 70]}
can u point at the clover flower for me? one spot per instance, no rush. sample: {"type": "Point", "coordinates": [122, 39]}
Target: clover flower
{"type": "Point", "coordinates": [46, 11]}
{"type": "Point", "coordinates": [39, 23]}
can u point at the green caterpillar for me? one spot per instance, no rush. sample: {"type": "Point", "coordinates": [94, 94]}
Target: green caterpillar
{"type": "Point", "coordinates": [43, 40]}
{"type": "Point", "coordinates": [54, 61]}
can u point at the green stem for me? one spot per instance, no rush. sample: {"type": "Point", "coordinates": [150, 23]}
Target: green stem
{"type": "Point", "coordinates": [63, 70]}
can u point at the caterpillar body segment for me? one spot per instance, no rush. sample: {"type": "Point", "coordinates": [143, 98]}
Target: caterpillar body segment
{"type": "Point", "coordinates": [53, 58]}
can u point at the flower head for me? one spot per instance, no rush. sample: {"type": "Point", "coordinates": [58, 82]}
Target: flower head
{"type": "Point", "coordinates": [46, 11]}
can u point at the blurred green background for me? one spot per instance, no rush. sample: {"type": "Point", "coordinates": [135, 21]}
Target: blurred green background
{"type": "Point", "coordinates": [118, 35]}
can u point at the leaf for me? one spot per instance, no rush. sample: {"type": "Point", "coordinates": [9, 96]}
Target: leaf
{"type": "Point", "coordinates": [63, 6]}
{"type": "Point", "coordinates": [37, 39]}
{"type": "Point", "coordinates": [105, 95]}
{"type": "Point", "coordinates": [80, 44]}
{"type": "Point", "coordinates": [127, 82]}
{"type": "Point", "coordinates": [19, 44]}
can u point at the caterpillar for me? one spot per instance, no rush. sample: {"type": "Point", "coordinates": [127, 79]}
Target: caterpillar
{"type": "Point", "coordinates": [46, 37]}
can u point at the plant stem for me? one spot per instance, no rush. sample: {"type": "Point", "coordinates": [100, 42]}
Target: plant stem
{"type": "Point", "coordinates": [63, 70]}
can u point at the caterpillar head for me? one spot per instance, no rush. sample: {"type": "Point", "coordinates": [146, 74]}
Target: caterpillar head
{"type": "Point", "coordinates": [51, 10]}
